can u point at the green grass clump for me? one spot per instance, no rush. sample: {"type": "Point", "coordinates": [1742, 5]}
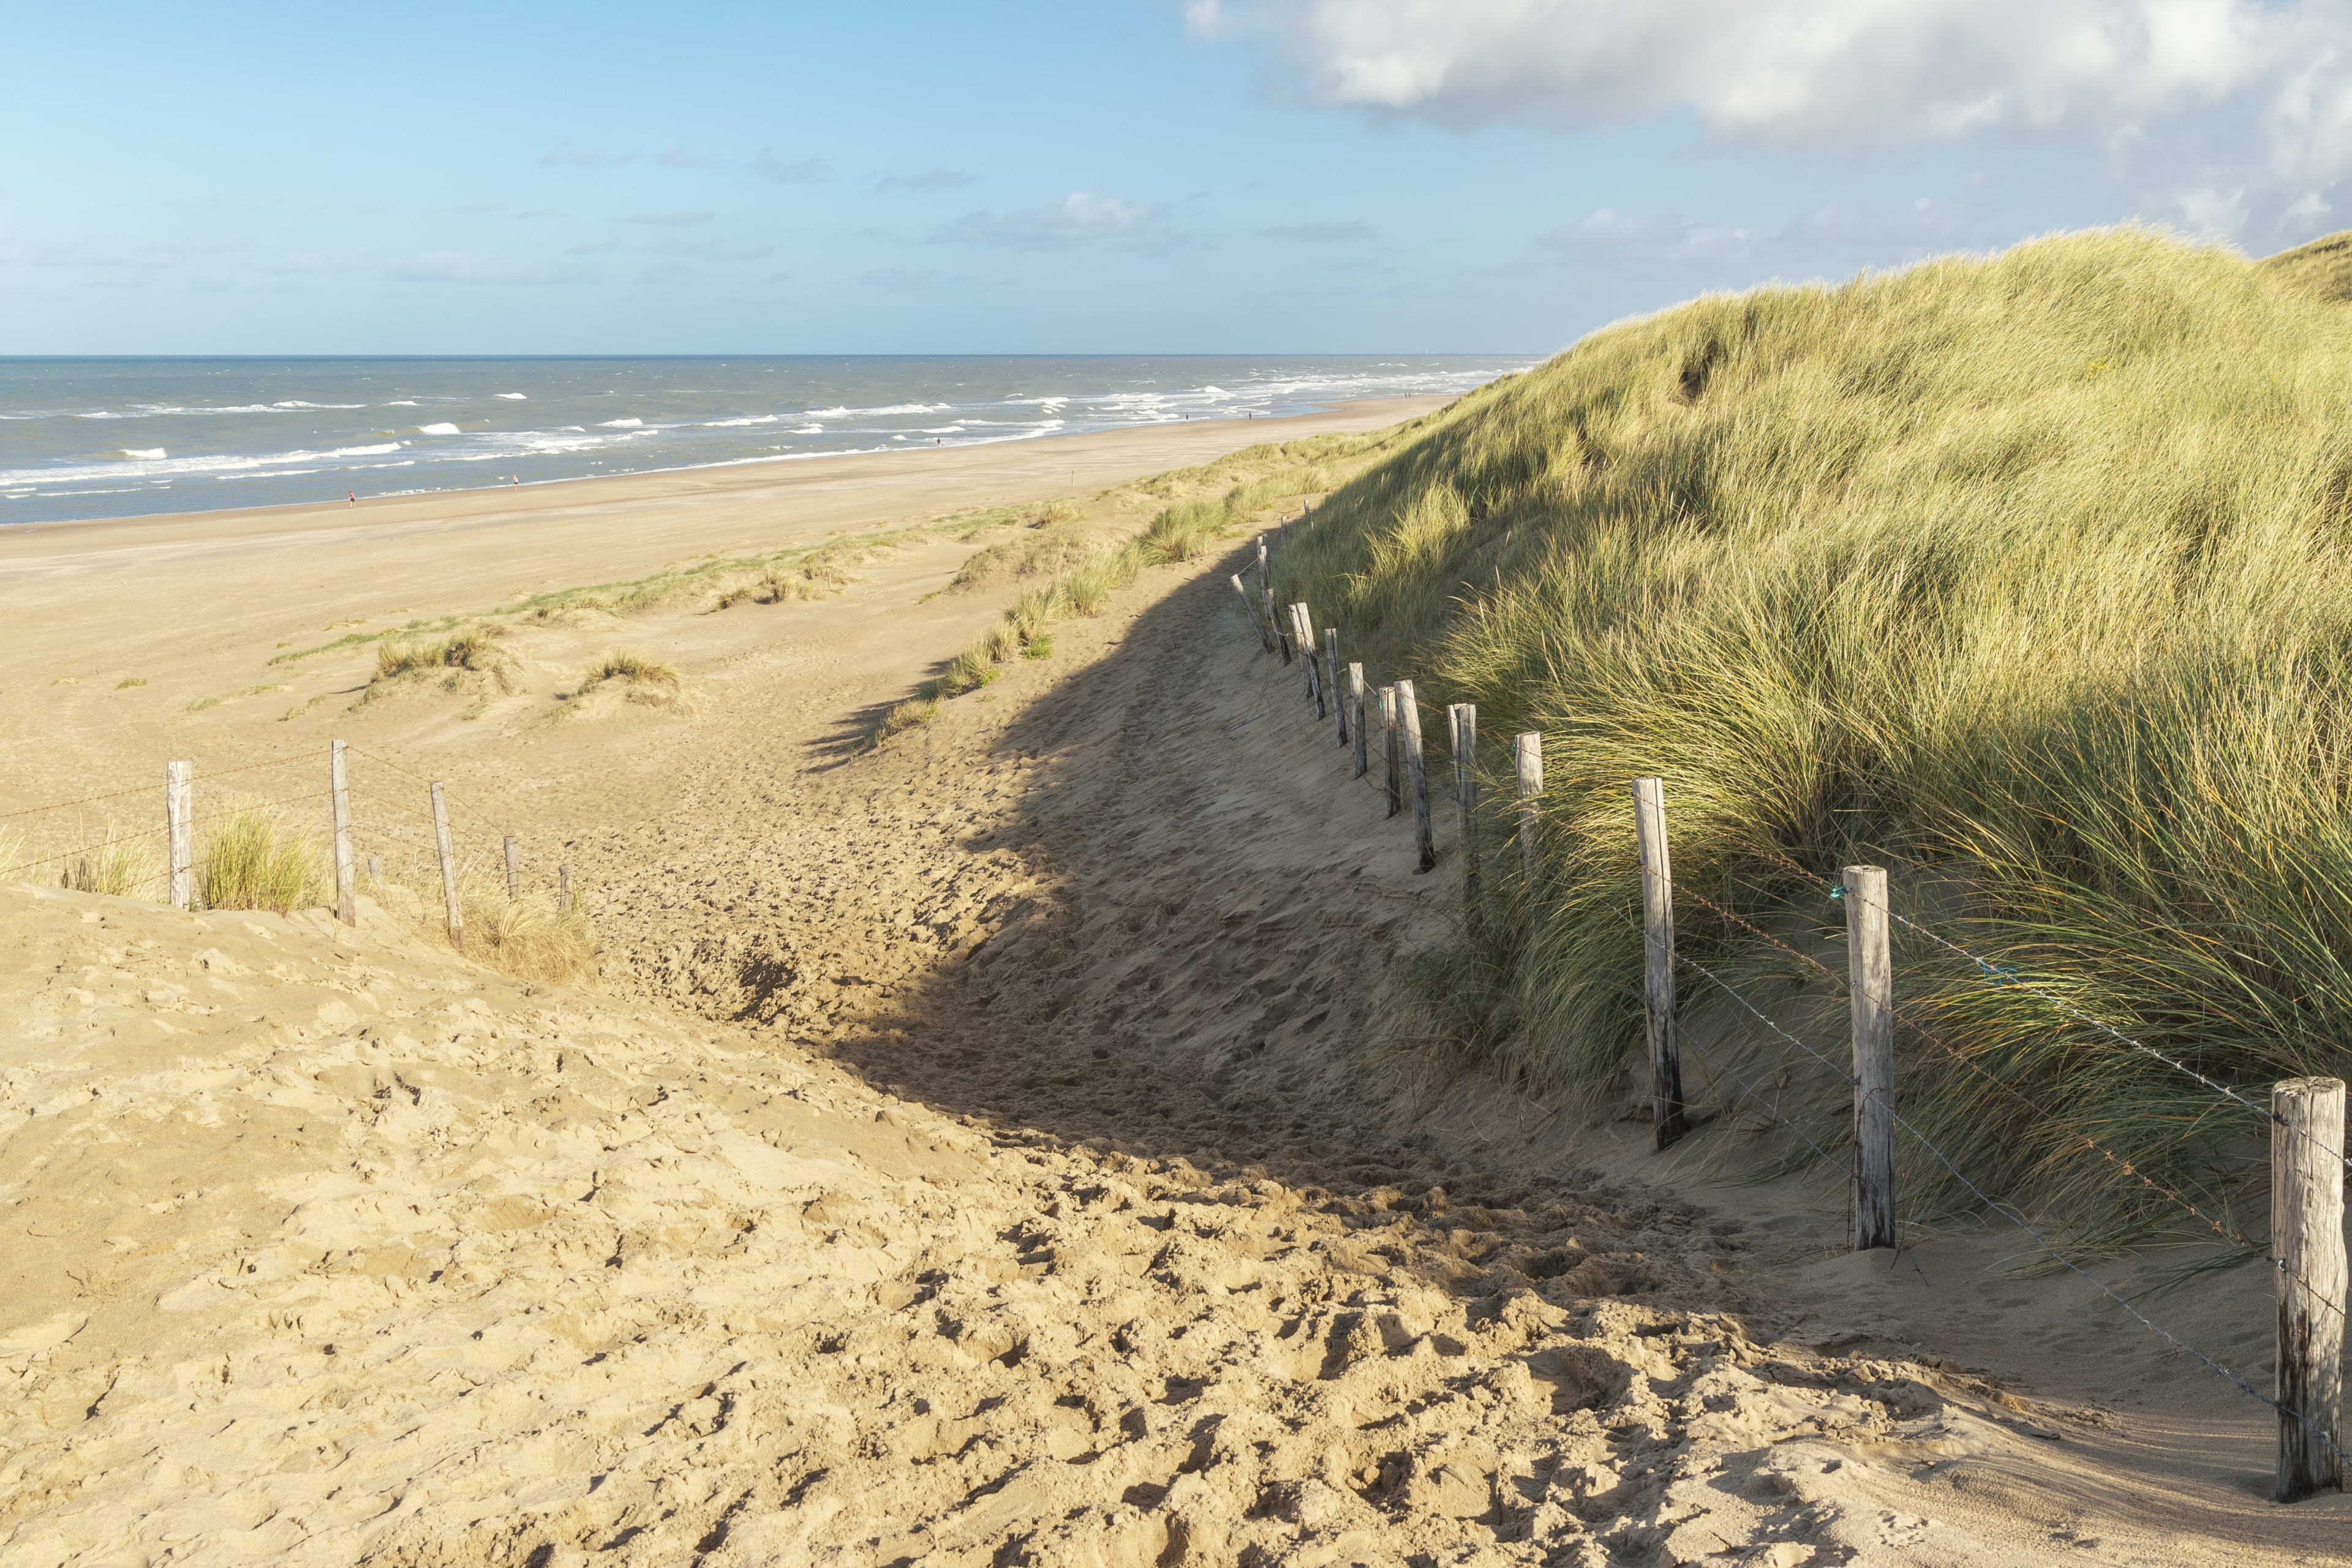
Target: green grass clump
{"type": "Point", "coordinates": [472, 648]}
{"type": "Point", "coordinates": [128, 681]}
{"type": "Point", "coordinates": [622, 664]}
{"type": "Point", "coordinates": [2029, 576]}
{"type": "Point", "coordinates": [122, 867]}
{"type": "Point", "coordinates": [525, 938]}
{"type": "Point", "coordinates": [251, 859]}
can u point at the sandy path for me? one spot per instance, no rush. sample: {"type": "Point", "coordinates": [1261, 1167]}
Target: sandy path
{"type": "Point", "coordinates": [993, 1151]}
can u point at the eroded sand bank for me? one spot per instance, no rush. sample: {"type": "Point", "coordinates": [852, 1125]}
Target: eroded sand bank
{"type": "Point", "coordinates": [998, 1149]}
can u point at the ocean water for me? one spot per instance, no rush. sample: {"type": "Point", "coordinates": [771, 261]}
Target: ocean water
{"type": "Point", "coordinates": [119, 437]}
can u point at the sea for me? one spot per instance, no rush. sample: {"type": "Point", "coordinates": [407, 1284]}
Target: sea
{"type": "Point", "coordinates": [119, 437]}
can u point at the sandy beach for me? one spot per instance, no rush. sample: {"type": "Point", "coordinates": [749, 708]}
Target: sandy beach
{"type": "Point", "coordinates": [1003, 1146]}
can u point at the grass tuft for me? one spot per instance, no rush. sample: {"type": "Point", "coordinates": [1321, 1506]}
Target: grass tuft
{"type": "Point", "coordinates": [124, 867]}
{"type": "Point", "coordinates": [251, 859]}
{"type": "Point", "coordinates": [622, 664]}
{"type": "Point", "coordinates": [470, 649]}
{"type": "Point", "coordinates": [524, 937]}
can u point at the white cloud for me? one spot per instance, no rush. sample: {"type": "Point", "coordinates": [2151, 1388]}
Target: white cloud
{"type": "Point", "coordinates": [2191, 93]}
{"type": "Point", "coordinates": [1318, 233]}
{"type": "Point", "coordinates": [1829, 238]}
{"type": "Point", "coordinates": [932, 179]}
{"type": "Point", "coordinates": [569, 155]}
{"type": "Point", "coordinates": [465, 267]}
{"type": "Point", "coordinates": [670, 219]}
{"type": "Point", "coordinates": [788, 172]}
{"type": "Point", "coordinates": [899, 279]}
{"type": "Point", "coordinates": [682, 158]}
{"type": "Point", "coordinates": [1078, 218]}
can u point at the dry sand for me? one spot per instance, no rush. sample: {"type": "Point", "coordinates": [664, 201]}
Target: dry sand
{"type": "Point", "coordinates": [1001, 1149]}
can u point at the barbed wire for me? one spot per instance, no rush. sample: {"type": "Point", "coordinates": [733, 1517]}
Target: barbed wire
{"type": "Point", "coordinates": [141, 789]}
{"type": "Point", "coordinates": [2038, 1238]}
{"type": "Point", "coordinates": [2127, 1167]}
{"type": "Point", "coordinates": [2005, 975]}
{"type": "Point", "coordinates": [2122, 1164]}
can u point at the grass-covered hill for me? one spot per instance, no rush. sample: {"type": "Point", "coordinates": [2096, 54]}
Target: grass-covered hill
{"type": "Point", "coordinates": [2025, 575]}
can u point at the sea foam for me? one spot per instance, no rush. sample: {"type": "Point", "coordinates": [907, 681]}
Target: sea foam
{"type": "Point", "coordinates": [437, 430]}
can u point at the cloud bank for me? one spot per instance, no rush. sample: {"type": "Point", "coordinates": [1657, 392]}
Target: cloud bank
{"type": "Point", "coordinates": [2235, 106]}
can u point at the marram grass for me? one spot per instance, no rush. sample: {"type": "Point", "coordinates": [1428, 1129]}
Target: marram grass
{"type": "Point", "coordinates": [2025, 575]}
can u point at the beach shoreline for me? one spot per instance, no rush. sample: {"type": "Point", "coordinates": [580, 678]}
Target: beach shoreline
{"type": "Point", "coordinates": [933, 478]}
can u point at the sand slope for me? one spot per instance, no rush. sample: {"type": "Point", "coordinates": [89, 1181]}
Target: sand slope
{"type": "Point", "coordinates": [1008, 1147]}
{"type": "Point", "coordinates": [329, 1246]}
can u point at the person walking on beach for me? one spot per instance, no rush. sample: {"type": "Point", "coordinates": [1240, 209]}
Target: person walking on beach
{"type": "Point", "coordinates": [356, 498]}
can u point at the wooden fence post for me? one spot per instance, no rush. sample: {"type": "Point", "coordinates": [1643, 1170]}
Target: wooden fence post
{"type": "Point", "coordinates": [563, 889]}
{"type": "Point", "coordinates": [1389, 741]}
{"type": "Point", "coordinates": [1282, 619]}
{"type": "Point", "coordinates": [179, 818]}
{"type": "Point", "coordinates": [514, 870]}
{"type": "Point", "coordinates": [1264, 632]}
{"type": "Point", "coordinates": [1464, 716]}
{"type": "Point", "coordinates": [1307, 651]}
{"type": "Point", "coordinates": [1870, 982]}
{"type": "Point", "coordinates": [1408, 718]}
{"type": "Point", "coordinates": [2307, 1249]}
{"type": "Point", "coordinates": [1527, 758]}
{"type": "Point", "coordinates": [347, 907]}
{"type": "Point", "coordinates": [1339, 692]}
{"type": "Point", "coordinates": [1658, 954]}
{"type": "Point", "coordinates": [1356, 716]}
{"type": "Point", "coordinates": [448, 871]}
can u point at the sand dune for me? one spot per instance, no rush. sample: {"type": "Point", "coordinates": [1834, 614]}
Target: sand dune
{"type": "Point", "coordinates": [1002, 1148]}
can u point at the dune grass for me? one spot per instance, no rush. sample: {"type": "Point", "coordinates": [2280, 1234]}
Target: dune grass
{"type": "Point", "coordinates": [253, 859]}
{"type": "Point", "coordinates": [626, 664]}
{"type": "Point", "coordinates": [1095, 572]}
{"type": "Point", "coordinates": [473, 649]}
{"type": "Point", "coordinates": [125, 867]}
{"type": "Point", "coordinates": [2026, 577]}
{"type": "Point", "coordinates": [525, 938]}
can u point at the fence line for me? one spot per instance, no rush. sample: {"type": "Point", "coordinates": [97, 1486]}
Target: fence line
{"type": "Point", "coordinates": [2220, 1229]}
{"type": "Point", "coordinates": [2309, 1368]}
{"type": "Point", "coordinates": [379, 811]}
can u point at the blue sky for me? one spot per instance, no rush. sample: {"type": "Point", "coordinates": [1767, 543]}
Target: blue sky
{"type": "Point", "coordinates": [1130, 176]}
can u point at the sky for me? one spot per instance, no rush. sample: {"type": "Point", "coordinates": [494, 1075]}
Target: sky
{"type": "Point", "coordinates": [1119, 176]}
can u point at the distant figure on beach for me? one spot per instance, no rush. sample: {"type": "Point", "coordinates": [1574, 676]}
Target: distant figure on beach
{"type": "Point", "coordinates": [356, 498]}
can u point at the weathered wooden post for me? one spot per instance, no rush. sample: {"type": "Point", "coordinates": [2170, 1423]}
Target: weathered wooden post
{"type": "Point", "coordinates": [1338, 693]}
{"type": "Point", "coordinates": [1355, 717]}
{"type": "Point", "coordinates": [1658, 968]}
{"type": "Point", "coordinates": [563, 889]}
{"type": "Point", "coordinates": [1465, 717]}
{"type": "Point", "coordinates": [2308, 1245]}
{"type": "Point", "coordinates": [1526, 759]}
{"type": "Point", "coordinates": [1264, 632]}
{"type": "Point", "coordinates": [1408, 718]}
{"type": "Point", "coordinates": [448, 871]}
{"type": "Point", "coordinates": [1282, 619]}
{"type": "Point", "coordinates": [347, 907]}
{"type": "Point", "coordinates": [1389, 743]}
{"type": "Point", "coordinates": [1264, 575]}
{"type": "Point", "coordinates": [1870, 983]}
{"type": "Point", "coordinates": [1307, 651]}
{"type": "Point", "coordinates": [179, 819]}
{"type": "Point", "coordinates": [514, 870]}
